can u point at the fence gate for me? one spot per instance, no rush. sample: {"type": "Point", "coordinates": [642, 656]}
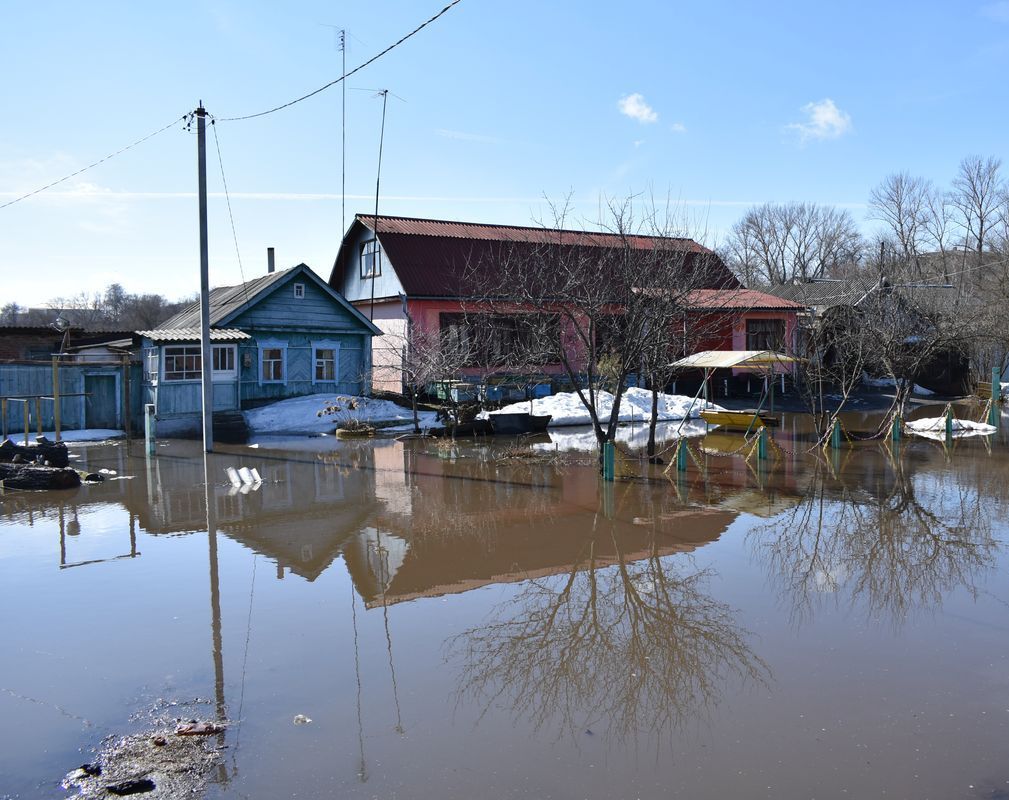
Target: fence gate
{"type": "Point", "coordinates": [101, 406]}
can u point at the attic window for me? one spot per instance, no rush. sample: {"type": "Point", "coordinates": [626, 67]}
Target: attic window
{"type": "Point", "coordinates": [371, 259]}
{"type": "Point", "coordinates": [299, 291]}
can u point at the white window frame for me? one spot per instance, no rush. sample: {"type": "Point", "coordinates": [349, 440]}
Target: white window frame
{"type": "Point", "coordinates": [299, 291]}
{"type": "Point", "coordinates": [272, 344]}
{"type": "Point", "coordinates": [184, 347]}
{"type": "Point", "coordinates": [326, 344]}
{"type": "Point", "coordinates": [376, 259]}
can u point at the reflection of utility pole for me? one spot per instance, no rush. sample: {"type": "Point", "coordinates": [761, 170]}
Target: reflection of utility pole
{"type": "Point", "coordinates": [362, 769]}
{"type": "Point", "coordinates": [215, 612]}
{"type": "Point", "coordinates": [384, 578]}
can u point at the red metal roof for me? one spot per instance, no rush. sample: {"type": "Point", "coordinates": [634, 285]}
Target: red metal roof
{"type": "Point", "coordinates": [744, 299]}
{"type": "Point", "coordinates": [514, 233]}
{"type": "Point", "coordinates": [430, 257]}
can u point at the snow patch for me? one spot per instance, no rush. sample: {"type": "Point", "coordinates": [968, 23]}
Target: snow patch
{"type": "Point", "coordinates": [634, 436]}
{"type": "Point", "coordinates": [566, 408]}
{"type": "Point", "coordinates": [301, 414]}
{"type": "Point", "coordinates": [890, 383]}
{"type": "Point", "coordinates": [935, 427]}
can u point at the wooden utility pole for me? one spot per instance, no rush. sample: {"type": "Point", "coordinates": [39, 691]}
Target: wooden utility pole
{"type": "Point", "coordinates": [206, 354]}
{"type": "Point", "coordinates": [376, 256]}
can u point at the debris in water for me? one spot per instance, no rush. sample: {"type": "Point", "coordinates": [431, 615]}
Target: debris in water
{"type": "Point", "coordinates": [91, 769]}
{"type": "Point", "coordinates": [136, 786]}
{"type": "Point", "coordinates": [301, 719]}
{"type": "Point", "coordinates": [194, 728]}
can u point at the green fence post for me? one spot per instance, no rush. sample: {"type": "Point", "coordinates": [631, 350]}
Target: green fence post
{"type": "Point", "coordinates": [762, 443]}
{"type": "Point", "coordinates": [835, 435]}
{"type": "Point", "coordinates": [681, 455]}
{"type": "Point", "coordinates": [996, 397]}
{"type": "Point", "coordinates": [895, 428]}
{"type": "Point", "coordinates": [609, 461]}
{"type": "Point", "coordinates": [949, 424]}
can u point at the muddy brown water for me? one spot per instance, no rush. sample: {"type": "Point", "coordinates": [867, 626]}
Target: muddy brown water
{"type": "Point", "coordinates": [457, 625]}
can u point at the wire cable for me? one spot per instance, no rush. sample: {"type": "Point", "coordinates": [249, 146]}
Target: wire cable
{"type": "Point", "coordinates": [346, 75]}
{"type": "Point", "coordinates": [171, 124]}
{"type": "Point", "coordinates": [227, 197]}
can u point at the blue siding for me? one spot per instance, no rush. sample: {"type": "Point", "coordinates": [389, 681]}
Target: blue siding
{"type": "Point", "coordinates": [31, 379]}
{"type": "Point", "coordinates": [281, 310]}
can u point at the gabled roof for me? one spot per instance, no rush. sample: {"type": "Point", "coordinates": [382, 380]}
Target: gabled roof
{"type": "Point", "coordinates": [739, 299]}
{"type": "Point", "coordinates": [430, 256]}
{"type": "Point", "coordinates": [842, 292]}
{"type": "Point", "coordinates": [227, 302]}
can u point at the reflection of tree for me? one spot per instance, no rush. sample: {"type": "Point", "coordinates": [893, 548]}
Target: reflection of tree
{"type": "Point", "coordinates": [636, 647]}
{"type": "Point", "coordinates": [893, 551]}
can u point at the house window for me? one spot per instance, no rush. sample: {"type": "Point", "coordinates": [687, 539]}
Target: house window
{"type": "Point", "coordinates": [765, 334]}
{"type": "Point", "coordinates": [497, 340]}
{"type": "Point", "coordinates": [326, 356]}
{"type": "Point", "coordinates": [299, 291]}
{"type": "Point", "coordinates": [182, 363]}
{"type": "Point", "coordinates": [371, 259]}
{"type": "Point", "coordinates": [153, 365]}
{"type": "Point", "coordinates": [271, 359]}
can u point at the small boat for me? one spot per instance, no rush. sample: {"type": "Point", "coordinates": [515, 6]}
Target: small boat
{"type": "Point", "coordinates": [517, 424]}
{"type": "Point", "coordinates": [738, 420]}
{"type": "Point", "coordinates": [476, 427]}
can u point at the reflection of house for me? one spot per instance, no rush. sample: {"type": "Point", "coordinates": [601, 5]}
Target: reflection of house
{"type": "Point", "coordinates": [398, 268]}
{"type": "Point", "coordinates": [281, 335]}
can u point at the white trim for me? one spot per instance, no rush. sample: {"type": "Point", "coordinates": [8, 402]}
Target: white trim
{"type": "Point", "coordinates": [272, 344]}
{"type": "Point", "coordinates": [326, 344]}
{"type": "Point", "coordinates": [297, 295]}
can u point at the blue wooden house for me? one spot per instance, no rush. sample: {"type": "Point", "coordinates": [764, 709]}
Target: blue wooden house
{"type": "Point", "coordinates": [284, 334]}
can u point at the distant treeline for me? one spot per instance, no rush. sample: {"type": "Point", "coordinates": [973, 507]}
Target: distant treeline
{"type": "Point", "coordinates": [113, 309]}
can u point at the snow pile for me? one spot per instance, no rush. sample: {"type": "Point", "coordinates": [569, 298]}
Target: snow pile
{"type": "Point", "coordinates": [301, 414]}
{"type": "Point", "coordinates": [634, 436]}
{"type": "Point", "coordinates": [935, 427]}
{"type": "Point", "coordinates": [635, 406]}
{"type": "Point", "coordinates": [86, 435]}
{"type": "Point", "coordinates": [890, 383]}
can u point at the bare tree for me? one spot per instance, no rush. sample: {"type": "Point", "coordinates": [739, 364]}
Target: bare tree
{"type": "Point", "coordinates": [977, 190]}
{"type": "Point", "coordinates": [901, 202]}
{"type": "Point", "coordinates": [778, 243]}
{"type": "Point", "coordinates": [592, 302]}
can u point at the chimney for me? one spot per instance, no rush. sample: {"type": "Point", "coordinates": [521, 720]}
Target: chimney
{"type": "Point", "coordinates": [270, 264]}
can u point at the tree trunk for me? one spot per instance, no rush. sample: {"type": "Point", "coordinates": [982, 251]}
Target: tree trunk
{"type": "Point", "coordinates": [654, 419]}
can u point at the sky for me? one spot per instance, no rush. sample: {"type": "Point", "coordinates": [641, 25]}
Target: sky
{"type": "Point", "coordinates": [497, 112]}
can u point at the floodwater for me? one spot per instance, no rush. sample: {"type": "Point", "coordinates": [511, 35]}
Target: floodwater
{"type": "Point", "coordinates": [457, 625]}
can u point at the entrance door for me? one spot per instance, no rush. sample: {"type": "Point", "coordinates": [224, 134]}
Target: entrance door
{"type": "Point", "coordinates": [100, 407]}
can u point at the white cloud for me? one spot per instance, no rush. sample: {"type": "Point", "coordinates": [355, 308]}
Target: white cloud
{"type": "Point", "coordinates": [678, 127]}
{"type": "Point", "coordinates": [635, 107]}
{"type": "Point", "coordinates": [998, 11]}
{"type": "Point", "coordinates": [824, 120]}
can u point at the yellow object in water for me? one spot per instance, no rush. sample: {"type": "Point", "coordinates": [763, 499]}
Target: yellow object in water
{"type": "Point", "coordinates": [737, 420]}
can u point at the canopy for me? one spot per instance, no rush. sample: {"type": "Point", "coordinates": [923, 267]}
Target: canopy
{"type": "Point", "coordinates": [720, 359]}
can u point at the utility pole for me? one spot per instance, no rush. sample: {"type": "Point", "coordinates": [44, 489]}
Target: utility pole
{"type": "Point", "coordinates": [343, 133]}
{"type": "Point", "coordinates": [206, 354]}
{"type": "Point", "coordinates": [377, 257]}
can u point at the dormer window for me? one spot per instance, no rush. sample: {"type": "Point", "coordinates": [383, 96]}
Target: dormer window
{"type": "Point", "coordinates": [299, 291]}
{"type": "Point", "coordinates": [371, 259]}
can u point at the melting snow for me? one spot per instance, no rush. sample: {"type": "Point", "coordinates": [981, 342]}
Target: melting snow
{"type": "Point", "coordinates": [301, 414]}
{"type": "Point", "coordinates": [635, 406]}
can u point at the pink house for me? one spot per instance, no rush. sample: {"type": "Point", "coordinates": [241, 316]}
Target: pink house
{"type": "Point", "coordinates": [395, 269]}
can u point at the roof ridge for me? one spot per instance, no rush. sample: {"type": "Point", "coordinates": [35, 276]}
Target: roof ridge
{"type": "Point", "coordinates": [501, 225]}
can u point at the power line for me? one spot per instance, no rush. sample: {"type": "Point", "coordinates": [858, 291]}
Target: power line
{"type": "Point", "coordinates": [171, 124]}
{"type": "Point", "coordinates": [227, 197]}
{"type": "Point", "coordinates": [346, 75]}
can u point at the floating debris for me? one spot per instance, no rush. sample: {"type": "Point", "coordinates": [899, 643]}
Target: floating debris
{"type": "Point", "coordinates": [301, 719]}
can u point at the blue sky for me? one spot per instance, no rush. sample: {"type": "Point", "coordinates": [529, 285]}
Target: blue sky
{"type": "Point", "coordinates": [716, 105]}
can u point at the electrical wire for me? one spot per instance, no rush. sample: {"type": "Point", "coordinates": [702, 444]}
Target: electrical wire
{"type": "Point", "coordinates": [171, 124]}
{"type": "Point", "coordinates": [346, 75]}
{"type": "Point", "coordinates": [227, 197]}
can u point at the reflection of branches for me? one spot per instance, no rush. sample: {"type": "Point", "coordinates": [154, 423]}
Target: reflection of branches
{"type": "Point", "coordinates": [895, 552]}
{"type": "Point", "coordinates": [638, 647]}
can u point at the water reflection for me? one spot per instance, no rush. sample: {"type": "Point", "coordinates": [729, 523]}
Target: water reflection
{"type": "Point", "coordinates": [892, 534]}
{"type": "Point", "coordinates": [625, 640]}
